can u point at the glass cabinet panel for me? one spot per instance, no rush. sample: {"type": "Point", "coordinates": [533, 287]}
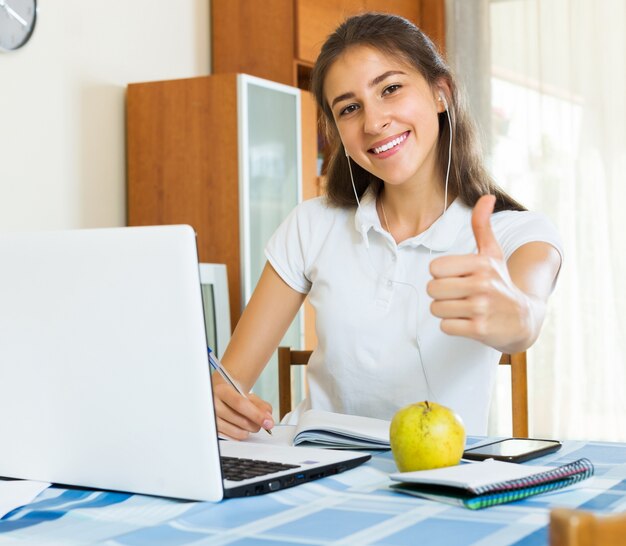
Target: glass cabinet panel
{"type": "Point", "coordinates": [270, 182]}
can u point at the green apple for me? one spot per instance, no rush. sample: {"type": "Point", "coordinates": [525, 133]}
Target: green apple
{"type": "Point", "coordinates": [426, 435]}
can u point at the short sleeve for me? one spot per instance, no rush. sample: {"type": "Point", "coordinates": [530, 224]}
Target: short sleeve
{"type": "Point", "coordinates": [286, 251]}
{"type": "Point", "coordinates": [516, 228]}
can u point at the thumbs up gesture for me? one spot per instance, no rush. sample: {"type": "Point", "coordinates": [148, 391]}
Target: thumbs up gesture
{"type": "Point", "coordinates": [474, 295]}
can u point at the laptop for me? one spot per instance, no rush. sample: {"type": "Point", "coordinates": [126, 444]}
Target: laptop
{"type": "Point", "coordinates": [104, 374]}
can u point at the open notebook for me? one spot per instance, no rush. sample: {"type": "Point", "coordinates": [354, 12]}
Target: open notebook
{"type": "Point", "coordinates": [339, 431]}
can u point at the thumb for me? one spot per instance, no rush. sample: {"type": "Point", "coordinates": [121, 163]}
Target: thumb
{"type": "Point", "coordinates": [481, 226]}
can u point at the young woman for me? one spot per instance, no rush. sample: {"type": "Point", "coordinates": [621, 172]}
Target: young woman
{"type": "Point", "coordinates": [421, 271]}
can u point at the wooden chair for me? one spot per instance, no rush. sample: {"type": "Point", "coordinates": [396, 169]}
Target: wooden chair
{"type": "Point", "coordinates": [580, 528]}
{"type": "Point", "coordinates": [519, 384]}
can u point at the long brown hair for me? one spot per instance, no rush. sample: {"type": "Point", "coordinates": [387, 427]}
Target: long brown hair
{"type": "Point", "coordinates": [393, 35]}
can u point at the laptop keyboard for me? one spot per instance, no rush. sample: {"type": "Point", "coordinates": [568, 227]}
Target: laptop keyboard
{"type": "Point", "coordinates": [236, 469]}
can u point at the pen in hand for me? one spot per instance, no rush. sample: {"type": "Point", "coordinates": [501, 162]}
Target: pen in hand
{"type": "Point", "coordinates": [219, 368]}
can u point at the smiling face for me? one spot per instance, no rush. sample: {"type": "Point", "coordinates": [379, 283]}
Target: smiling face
{"type": "Point", "coordinates": [386, 115]}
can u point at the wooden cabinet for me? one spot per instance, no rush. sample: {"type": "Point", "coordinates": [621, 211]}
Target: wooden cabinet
{"type": "Point", "coordinates": [280, 39]}
{"type": "Point", "coordinates": [253, 37]}
{"type": "Point", "coordinates": [226, 154]}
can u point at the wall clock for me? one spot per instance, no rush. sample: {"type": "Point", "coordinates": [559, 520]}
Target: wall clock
{"type": "Point", "coordinates": [17, 22]}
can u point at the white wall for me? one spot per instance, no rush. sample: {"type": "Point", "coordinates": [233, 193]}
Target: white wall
{"type": "Point", "coordinates": [62, 96]}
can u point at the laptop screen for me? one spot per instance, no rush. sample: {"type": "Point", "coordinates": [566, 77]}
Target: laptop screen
{"type": "Point", "coordinates": [104, 376]}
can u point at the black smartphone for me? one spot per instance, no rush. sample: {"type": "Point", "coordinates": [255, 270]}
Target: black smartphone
{"type": "Point", "coordinates": [513, 450]}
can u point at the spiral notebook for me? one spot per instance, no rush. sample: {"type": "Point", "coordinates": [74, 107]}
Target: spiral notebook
{"type": "Point", "coordinates": [490, 482]}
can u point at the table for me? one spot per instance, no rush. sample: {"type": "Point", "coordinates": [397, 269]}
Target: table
{"type": "Point", "coordinates": [353, 508]}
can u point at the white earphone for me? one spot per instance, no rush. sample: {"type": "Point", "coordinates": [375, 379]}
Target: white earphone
{"type": "Point", "coordinates": [442, 98]}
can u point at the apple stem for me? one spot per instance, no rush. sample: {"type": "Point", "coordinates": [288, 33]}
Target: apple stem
{"type": "Point", "coordinates": [427, 406]}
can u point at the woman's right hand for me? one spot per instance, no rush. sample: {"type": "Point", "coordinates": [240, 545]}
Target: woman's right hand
{"type": "Point", "coordinates": [237, 416]}
{"type": "Point", "coordinates": [262, 325]}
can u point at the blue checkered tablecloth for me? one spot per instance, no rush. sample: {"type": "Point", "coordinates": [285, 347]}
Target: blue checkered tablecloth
{"type": "Point", "coordinates": [353, 508]}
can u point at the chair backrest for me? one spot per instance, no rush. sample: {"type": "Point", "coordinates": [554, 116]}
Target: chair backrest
{"type": "Point", "coordinates": [519, 384]}
{"type": "Point", "coordinates": [580, 528]}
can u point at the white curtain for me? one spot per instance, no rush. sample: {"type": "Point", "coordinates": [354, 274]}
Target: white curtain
{"type": "Point", "coordinates": [554, 72]}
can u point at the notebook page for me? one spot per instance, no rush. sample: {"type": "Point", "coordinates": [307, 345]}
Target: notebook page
{"type": "Point", "coordinates": [354, 426]}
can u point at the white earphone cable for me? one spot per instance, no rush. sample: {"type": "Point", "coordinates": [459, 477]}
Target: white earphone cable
{"type": "Point", "coordinates": [356, 196]}
{"type": "Point", "coordinates": [429, 390]}
{"type": "Point", "coordinates": [445, 191]}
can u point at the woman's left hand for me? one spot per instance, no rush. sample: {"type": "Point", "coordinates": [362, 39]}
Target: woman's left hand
{"type": "Point", "coordinates": [475, 296]}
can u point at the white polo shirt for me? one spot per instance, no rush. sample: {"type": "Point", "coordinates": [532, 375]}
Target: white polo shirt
{"type": "Point", "coordinates": [372, 310]}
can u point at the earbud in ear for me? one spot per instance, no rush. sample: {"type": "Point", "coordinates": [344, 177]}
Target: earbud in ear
{"type": "Point", "coordinates": [442, 98]}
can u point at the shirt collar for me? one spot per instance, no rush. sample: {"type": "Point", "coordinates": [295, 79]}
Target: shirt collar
{"type": "Point", "coordinates": [440, 236]}
{"type": "Point", "coordinates": [366, 216]}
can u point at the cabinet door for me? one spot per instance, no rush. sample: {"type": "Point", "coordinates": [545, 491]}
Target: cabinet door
{"type": "Point", "coordinates": [409, 9]}
{"type": "Point", "coordinates": [182, 145]}
{"type": "Point", "coordinates": [253, 37]}
{"type": "Point", "coordinates": [270, 187]}
{"type": "Point", "coordinates": [316, 19]}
